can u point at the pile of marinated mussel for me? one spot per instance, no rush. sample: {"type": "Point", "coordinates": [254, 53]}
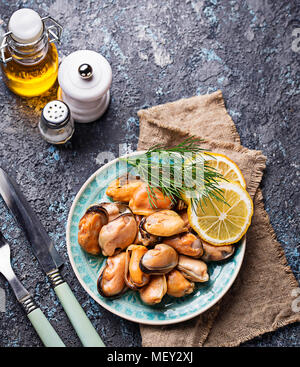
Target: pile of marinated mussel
{"type": "Point", "coordinates": [149, 244]}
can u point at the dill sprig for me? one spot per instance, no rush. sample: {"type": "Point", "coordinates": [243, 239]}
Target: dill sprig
{"type": "Point", "coordinates": [178, 172]}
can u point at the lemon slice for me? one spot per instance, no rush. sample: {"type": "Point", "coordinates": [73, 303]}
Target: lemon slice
{"type": "Point", "coordinates": [226, 167]}
{"type": "Point", "coordinates": [219, 223]}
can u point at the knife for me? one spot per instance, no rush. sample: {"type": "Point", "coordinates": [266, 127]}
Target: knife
{"type": "Point", "coordinates": [49, 259]}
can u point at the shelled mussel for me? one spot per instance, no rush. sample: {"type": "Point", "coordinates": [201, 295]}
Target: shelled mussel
{"type": "Point", "coordinates": [134, 276]}
{"type": "Point", "coordinates": [178, 285]}
{"type": "Point", "coordinates": [154, 291]}
{"type": "Point", "coordinates": [160, 260]}
{"type": "Point", "coordinates": [186, 244]}
{"type": "Point", "coordinates": [141, 205]}
{"type": "Point", "coordinates": [145, 238]}
{"type": "Point", "coordinates": [193, 269]}
{"type": "Point", "coordinates": [111, 282]}
{"type": "Point", "coordinates": [118, 234]}
{"type": "Point", "coordinates": [123, 188]}
{"type": "Point", "coordinates": [216, 253]}
{"type": "Point", "coordinates": [164, 223]}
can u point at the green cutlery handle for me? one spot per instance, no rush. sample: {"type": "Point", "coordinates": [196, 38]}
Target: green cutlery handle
{"type": "Point", "coordinates": [82, 325]}
{"type": "Point", "coordinates": [44, 329]}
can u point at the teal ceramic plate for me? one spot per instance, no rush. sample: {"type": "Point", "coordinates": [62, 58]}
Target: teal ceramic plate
{"type": "Point", "coordinates": [129, 306]}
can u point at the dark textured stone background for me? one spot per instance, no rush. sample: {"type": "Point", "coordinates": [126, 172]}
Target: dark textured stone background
{"type": "Point", "coordinates": [160, 51]}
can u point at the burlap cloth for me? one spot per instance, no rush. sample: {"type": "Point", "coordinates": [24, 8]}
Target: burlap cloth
{"type": "Point", "coordinates": [260, 299]}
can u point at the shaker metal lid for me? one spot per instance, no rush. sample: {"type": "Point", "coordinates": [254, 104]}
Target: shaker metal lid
{"type": "Point", "coordinates": [26, 26]}
{"type": "Point", "coordinates": [85, 75]}
{"type": "Point", "coordinates": [55, 114]}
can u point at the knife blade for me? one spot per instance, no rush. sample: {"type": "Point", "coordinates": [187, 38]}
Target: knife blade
{"type": "Point", "coordinates": [49, 259]}
{"type": "Point", "coordinates": [41, 243]}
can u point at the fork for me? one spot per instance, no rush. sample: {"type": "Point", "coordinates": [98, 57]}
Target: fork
{"type": "Point", "coordinates": [39, 321]}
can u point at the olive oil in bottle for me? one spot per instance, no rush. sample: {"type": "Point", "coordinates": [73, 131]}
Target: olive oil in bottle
{"type": "Point", "coordinates": [29, 57]}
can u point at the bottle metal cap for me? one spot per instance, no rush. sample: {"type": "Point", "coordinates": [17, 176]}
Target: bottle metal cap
{"type": "Point", "coordinates": [26, 26]}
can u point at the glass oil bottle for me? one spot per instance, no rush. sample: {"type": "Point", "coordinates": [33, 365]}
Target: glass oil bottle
{"type": "Point", "coordinates": [29, 58]}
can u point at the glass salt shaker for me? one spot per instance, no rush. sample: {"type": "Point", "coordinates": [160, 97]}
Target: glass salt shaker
{"type": "Point", "coordinates": [28, 55]}
{"type": "Point", "coordinates": [56, 124]}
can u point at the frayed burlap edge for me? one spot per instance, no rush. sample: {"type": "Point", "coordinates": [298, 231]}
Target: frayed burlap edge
{"type": "Point", "coordinates": [216, 100]}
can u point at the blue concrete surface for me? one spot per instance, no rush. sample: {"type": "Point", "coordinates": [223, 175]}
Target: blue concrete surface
{"type": "Point", "coordinates": [159, 52]}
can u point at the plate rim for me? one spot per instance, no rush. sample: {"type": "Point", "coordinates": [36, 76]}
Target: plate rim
{"type": "Point", "coordinates": [107, 307]}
